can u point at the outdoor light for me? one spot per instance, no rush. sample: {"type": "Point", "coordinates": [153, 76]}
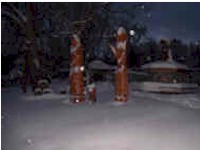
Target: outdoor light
{"type": "Point", "coordinates": [132, 32]}
{"type": "Point", "coordinates": [82, 68]}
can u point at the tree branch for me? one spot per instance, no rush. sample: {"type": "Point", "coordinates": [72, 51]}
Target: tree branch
{"type": "Point", "coordinates": [7, 13]}
{"type": "Point", "coordinates": [21, 15]}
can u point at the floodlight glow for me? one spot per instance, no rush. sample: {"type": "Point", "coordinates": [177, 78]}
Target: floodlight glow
{"type": "Point", "coordinates": [82, 68]}
{"type": "Point", "coordinates": [132, 32]}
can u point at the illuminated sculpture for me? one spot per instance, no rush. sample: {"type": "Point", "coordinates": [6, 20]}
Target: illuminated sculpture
{"type": "Point", "coordinates": [76, 71]}
{"type": "Point", "coordinates": [119, 51]}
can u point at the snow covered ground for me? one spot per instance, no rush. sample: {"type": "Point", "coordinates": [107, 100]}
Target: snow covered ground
{"type": "Point", "coordinates": [148, 121]}
{"type": "Point", "coordinates": [187, 99]}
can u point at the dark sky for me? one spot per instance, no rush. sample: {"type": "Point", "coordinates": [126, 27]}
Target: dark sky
{"type": "Point", "coordinates": [169, 20]}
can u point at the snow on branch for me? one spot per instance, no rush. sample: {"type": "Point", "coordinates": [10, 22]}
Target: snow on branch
{"type": "Point", "coordinates": [7, 13]}
{"type": "Point", "coordinates": [22, 16]}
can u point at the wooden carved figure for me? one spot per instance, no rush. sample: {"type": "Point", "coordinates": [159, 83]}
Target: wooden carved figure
{"type": "Point", "coordinates": [121, 79]}
{"type": "Point", "coordinates": [76, 71]}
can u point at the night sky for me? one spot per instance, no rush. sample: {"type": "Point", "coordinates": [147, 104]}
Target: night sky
{"type": "Point", "coordinates": [170, 20]}
{"type": "Point", "coordinates": [173, 20]}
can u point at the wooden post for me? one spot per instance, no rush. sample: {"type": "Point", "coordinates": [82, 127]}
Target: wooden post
{"type": "Point", "coordinates": [121, 79]}
{"type": "Point", "coordinates": [92, 92]}
{"type": "Point", "coordinates": [76, 71]}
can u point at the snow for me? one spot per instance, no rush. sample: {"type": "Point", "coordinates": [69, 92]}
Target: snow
{"type": "Point", "coordinates": [48, 96]}
{"type": "Point", "coordinates": [97, 64]}
{"type": "Point", "coordinates": [76, 37]}
{"type": "Point", "coordinates": [166, 87]}
{"type": "Point", "coordinates": [138, 73]}
{"type": "Point", "coordinates": [44, 81]}
{"type": "Point", "coordinates": [121, 31]}
{"type": "Point", "coordinates": [169, 64]}
{"type": "Point", "coordinates": [144, 123]}
{"type": "Point", "coordinates": [189, 100]}
{"type": "Point", "coordinates": [164, 65]}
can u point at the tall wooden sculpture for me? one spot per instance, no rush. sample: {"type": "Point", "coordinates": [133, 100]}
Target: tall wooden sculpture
{"type": "Point", "coordinates": [119, 51]}
{"type": "Point", "coordinates": [76, 71]}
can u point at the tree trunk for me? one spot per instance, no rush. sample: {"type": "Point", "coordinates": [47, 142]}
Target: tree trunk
{"type": "Point", "coordinates": [31, 60]}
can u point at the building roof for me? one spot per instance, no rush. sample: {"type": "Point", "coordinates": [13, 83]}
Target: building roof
{"type": "Point", "coordinates": [164, 65]}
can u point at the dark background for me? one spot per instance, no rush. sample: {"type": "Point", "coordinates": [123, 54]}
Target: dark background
{"type": "Point", "coordinates": [54, 23]}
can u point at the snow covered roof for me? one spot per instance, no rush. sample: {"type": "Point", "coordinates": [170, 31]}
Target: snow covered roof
{"type": "Point", "coordinates": [100, 65]}
{"type": "Point", "coordinates": [164, 65]}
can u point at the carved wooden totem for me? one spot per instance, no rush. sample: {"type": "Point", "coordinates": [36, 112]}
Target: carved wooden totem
{"type": "Point", "coordinates": [121, 80]}
{"type": "Point", "coordinates": [76, 71]}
